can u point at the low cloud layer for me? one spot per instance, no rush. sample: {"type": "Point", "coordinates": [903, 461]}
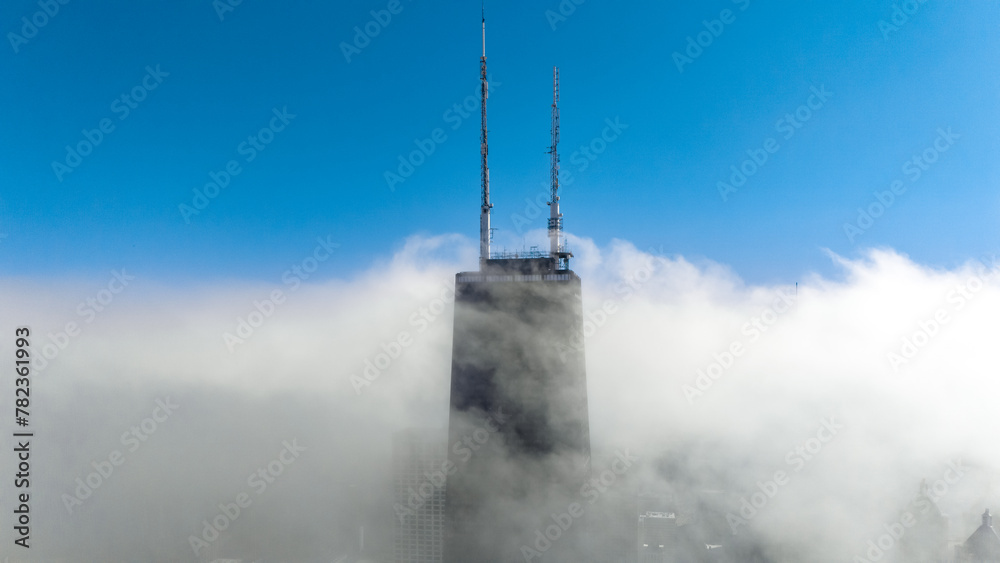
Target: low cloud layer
{"type": "Point", "coordinates": [856, 388]}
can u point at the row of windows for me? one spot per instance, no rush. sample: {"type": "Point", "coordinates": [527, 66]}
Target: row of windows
{"type": "Point", "coordinates": [536, 277]}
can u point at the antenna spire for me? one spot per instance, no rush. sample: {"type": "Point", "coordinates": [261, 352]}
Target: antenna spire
{"type": "Point", "coordinates": [556, 248]}
{"type": "Point", "coordinates": [485, 235]}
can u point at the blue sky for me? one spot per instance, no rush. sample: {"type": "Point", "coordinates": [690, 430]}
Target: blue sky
{"type": "Point", "coordinates": [655, 185]}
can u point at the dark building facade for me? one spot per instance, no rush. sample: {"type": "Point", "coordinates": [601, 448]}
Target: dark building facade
{"type": "Point", "coordinates": [519, 437]}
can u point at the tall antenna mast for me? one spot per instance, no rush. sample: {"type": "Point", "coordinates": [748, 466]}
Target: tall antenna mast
{"type": "Point", "coordinates": [556, 248]}
{"type": "Point", "coordinates": [484, 216]}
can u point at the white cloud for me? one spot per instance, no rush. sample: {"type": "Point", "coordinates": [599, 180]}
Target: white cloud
{"type": "Point", "coordinates": [828, 355]}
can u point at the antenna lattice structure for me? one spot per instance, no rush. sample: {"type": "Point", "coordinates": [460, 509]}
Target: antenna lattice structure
{"type": "Point", "coordinates": [556, 247]}
{"type": "Point", "coordinates": [485, 236]}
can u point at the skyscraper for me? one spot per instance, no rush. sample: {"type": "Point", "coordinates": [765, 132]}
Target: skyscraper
{"type": "Point", "coordinates": [519, 437]}
{"type": "Point", "coordinates": [418, 476]}
{"type": "Point", "coordinates": [659, 534]}
{"type": "Point", "coordinates": [518, 427]}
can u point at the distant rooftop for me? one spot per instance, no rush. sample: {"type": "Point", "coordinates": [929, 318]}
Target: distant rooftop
{"type": "Point", "coordinates": [984, 543]}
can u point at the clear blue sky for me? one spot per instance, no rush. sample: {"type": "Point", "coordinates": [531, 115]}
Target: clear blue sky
{"type": "Point", "coordinates": [655, 185]}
